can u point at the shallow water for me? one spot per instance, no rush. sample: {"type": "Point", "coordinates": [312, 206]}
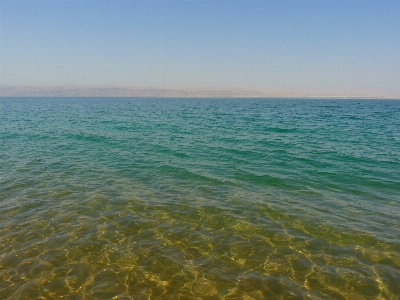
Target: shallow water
{"type": "Point", "coordinates": [199, 199]}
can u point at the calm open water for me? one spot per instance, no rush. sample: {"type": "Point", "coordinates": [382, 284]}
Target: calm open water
{"type": "Point", "coordinates": [199, 199]}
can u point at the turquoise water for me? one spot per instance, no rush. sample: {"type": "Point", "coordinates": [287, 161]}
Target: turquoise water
{"type": "Point", "coordinates": [199, 199]}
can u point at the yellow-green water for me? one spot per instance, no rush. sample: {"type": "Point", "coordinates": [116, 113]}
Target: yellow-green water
{"type": "Point", "coordinates": [199, 199]}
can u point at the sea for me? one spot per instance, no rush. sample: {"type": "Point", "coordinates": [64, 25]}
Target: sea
{"type": "Point", "coordinates": [188, 198]}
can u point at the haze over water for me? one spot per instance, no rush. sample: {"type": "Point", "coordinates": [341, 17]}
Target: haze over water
{"type": "Point", "coordinates": [199, 198]}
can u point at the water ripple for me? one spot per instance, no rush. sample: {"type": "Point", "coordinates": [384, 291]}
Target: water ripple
{"type": "Point", "coordinates": [199, 199]}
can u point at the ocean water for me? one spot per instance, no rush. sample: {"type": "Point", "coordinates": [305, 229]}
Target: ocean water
{"type": "Point", "coordinates": [111, 198]}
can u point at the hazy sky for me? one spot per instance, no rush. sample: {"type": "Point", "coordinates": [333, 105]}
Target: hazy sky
{"type": "Point", "coordinates": [318, 46]}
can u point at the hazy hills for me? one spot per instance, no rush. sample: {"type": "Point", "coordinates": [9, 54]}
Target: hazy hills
{"type": "Point", "coordinates": [132, 91]}
{"type": "Point", "coordinates": [120, 91]}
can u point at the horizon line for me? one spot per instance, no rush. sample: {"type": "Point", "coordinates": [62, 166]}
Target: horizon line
{"type": "Point", "coordinates": [128, 91]}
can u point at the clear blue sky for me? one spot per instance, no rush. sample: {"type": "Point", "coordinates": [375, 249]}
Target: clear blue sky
{"type": "Point", "coordinates": [286, 45]}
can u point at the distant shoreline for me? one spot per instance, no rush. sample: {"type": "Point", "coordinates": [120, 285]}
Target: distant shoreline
{"type": "Point", "coordinates": [154, 92]}
{"type": "Point", "coordinates": [207, 97]}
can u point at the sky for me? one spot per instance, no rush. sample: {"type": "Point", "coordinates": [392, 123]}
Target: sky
{"type": "Point", "coordinates": [314, 48]}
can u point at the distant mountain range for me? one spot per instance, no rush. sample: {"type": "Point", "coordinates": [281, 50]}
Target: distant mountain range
{"type": "Point", "coordinates": [70, 90]}
{"type": "Point", "coordinates": [120, 91]}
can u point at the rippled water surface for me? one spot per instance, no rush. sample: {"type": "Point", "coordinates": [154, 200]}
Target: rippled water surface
{"type": "Point", "coordinates": [199, 199]}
